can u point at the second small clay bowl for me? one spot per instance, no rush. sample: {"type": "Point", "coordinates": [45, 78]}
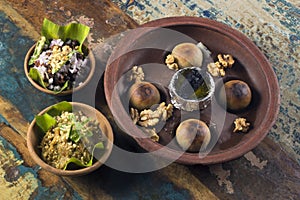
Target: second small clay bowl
{"type": "Point", "coordinates": [34, 138]}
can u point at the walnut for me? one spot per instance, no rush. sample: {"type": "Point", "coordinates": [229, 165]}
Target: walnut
{"type": "Point", "coordinates": [152, 117]}
{"type": "Point", "coordinates": [213, 69]}
{"type": "Point", "coordinates": [148, 122]}
{"type": "Point", "coordinates": [229, 59]}
{"type": "Point", "coordinates": [173, 66]}
{"type": "Point", "coordinates": [226, 60]}
{"type": "Point", "coordinates": [218, 68]}
{"type": "Point", "coordinates": [222, 72]}
{"type": "Point", "coordinates": [149, 118]}
{"type": "Point", "coordinates": [170, 59]}
{"type": "Point", "coordinates": [170, 62]}
{"type": "Point", "coordinates": [137, 74]}
{"type": "Point", "coordinates": [167, 112]}
{"type": "Point", "coordinates": [135, 115]}
{"type": "Point", "coordinates": [222, 61]}
{"type": "Point", "coordinates": [241, 125]}
{"type": "Point", "coordinates": [152, 134]}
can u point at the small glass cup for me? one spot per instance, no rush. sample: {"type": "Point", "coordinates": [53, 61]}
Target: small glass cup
{"type": "Point", "coordinates": [193, 102]}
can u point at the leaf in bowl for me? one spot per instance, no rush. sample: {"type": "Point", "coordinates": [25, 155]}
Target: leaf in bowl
{"type": "Point", "coordinates": [58, 108]}
{"type": "Point", "coordinates": [74, 31]}
{"type": "Point", "coordinates": [45, 122]}
{"type": "Point", "coordinates": [36, 76]}
{"type": "Point", "coordinates": [99, 145]}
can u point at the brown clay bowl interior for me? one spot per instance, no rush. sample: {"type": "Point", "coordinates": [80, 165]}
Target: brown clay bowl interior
{"type": "Point", "coordinates": [91, 63]}
{"type": "Point", "coordinates": [143, 48]}
{"type": "Point", "coordinates": [34, 138]}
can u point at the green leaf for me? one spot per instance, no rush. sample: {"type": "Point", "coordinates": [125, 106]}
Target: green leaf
{"type": "Point", "coordinates": [88, 133]}
{"type": "Point", "coordinates": [77, 162]}
{"type": "Point", "coordinates": [74, 135]}
{"type": "Point", "coordinates": [37, 50]}
{"type": "Point", "coordinates": [45, 122]}
{"type": "Point", "coordinates": [58, 108]}
{"type": "Point", "coordinates": [36, 76]}
{"type": "Point", "coordinates": [74, 31]}
{"type": "Point", "coordinates": [99, 145]}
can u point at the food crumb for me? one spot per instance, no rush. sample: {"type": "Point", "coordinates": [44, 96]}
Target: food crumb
{"type": "Point", "coordinates": [137, 74]}
{"type": "Point", "coordinates": [241, 125]}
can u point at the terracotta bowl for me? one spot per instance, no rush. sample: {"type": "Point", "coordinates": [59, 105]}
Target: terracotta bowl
{"type": "Point", "coordinates": [34, 138]}
{"type": "Point", "coordinates": [148, 47]}
{"type": "Point", "coordinates": [91, 64]}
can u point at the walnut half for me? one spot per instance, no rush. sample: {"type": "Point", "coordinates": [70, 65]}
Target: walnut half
{"type": "Point", "coordinates": [218, 68]}
{"type": "Point", "coordinates": [171, 63]}
{"type": "Point", "coordinates": [152, 117]}
{"type": "Point", "coordinates": [137, 74]}
{"type": "Point", "coordinates": [241, 125]}
{"type": "Point", "coordinates": [152, 134]}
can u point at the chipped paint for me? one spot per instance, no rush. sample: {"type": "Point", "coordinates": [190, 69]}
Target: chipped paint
{"type": "Point", "coordinates": [222, 177]}
{"type": "Point", "coordinates": [26, 27]}
{"type": "Point", "coordinates": [23, 186]}
{"type": "Point", "coordinates": [18, 181]}
{"type": "Point", "coordinates": [255, 161]}
{"type": "Point", "coordinates": [181, 176]}
{"type": "Point", "coordinates": [13, 117]}
{"type": "Point", "coordinates": [85, 20]}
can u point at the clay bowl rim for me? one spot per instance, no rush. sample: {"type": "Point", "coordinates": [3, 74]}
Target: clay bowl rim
{"type": "Point", "coordinates": [78, 172]}
{"type": "Point", "coordinates": [235, 151]}
{"type": "Point", "coordinates": [65, 92]}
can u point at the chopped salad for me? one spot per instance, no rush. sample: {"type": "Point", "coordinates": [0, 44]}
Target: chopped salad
{"type": "Point", "coordinates": [70, 137]}
{"type": "Point", "coordinates": [58, 64]}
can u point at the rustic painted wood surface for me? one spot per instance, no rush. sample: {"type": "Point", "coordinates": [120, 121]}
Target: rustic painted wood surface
{"type": "Point", "coordinates": [268, 172]}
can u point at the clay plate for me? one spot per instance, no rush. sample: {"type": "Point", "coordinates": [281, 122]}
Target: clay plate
{"type": "Point", "coordinates": [148, 46]}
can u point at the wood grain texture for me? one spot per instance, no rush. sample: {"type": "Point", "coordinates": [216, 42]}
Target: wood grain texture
{"type": "Point", "coordinates": [13, 117]}
{"type": "Point", "coordinates": [108, 18]}
{"type": "Point", "coordinates": [21, 168]}
{"type": "Point", "coordinates": [278, 179]}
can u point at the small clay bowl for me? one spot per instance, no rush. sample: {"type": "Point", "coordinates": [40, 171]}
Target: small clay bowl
{"type": "Point", "coordinates": [34, 138]}
{"type": "Point", "coordinates": [189, 104]}
{"type": "Point", "coordinates": [149, 46]}
{"type": "Point", "coordinates": [91, 64]}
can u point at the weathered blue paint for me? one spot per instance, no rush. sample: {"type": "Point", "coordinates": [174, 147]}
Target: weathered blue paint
{"type": "Point", "coordinates": [140, 187]}
{"type": "Point", "coordinates": [14, 85]}
{"type": "Point", "coordinates": [290, 12]}
{"type": "Point", "coordinates": [55, 192]}
{"type": "Point", "coordinates": [3, 120]}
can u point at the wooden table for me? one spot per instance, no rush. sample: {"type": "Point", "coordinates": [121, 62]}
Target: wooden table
{"type": "Point", "coordinates": [270, 171]}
